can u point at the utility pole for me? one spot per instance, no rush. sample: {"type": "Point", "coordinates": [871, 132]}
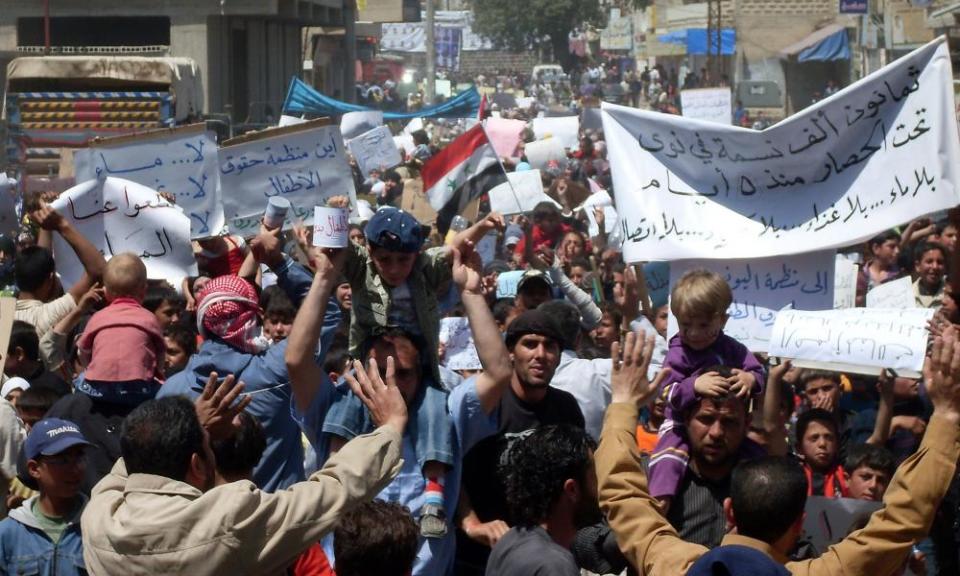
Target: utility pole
{"type": "Point", "coordinates": [350, 51]}
{"type": "Point", "coordinates": [431, 55]}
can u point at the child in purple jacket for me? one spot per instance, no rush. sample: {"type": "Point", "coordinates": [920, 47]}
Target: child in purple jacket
{"type": "Point", "coordinates": [699, 301]}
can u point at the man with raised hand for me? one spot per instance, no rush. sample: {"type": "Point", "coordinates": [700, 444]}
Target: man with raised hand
{"type": "Point", "coordinates": [768, 495]}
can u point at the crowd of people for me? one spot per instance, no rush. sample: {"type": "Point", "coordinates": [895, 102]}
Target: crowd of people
{"type": "Point", "coordinates": [290, 409]}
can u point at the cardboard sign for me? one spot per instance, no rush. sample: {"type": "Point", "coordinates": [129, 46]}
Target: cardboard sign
{"type": "Point", "coordinates": [894, 294]}
{"type": "Point", "coordinates": [375, 150]}
{"type": "Point", "coordinates": [459, 350]}
{"type": "Point", "coordinates": [306, 164]}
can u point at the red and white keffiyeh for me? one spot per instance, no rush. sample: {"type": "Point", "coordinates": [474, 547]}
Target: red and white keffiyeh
{"type": "Point", "coordinates": [229, 309]}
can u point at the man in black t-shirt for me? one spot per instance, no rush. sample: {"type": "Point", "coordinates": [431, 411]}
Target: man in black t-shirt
{"type": "Point", "coordinates": [534, 341]}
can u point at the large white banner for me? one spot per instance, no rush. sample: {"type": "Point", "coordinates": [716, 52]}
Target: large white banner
{"type": "Point", "coordinates": [119, 215]}
{"type": "Point", "coordinates": [762, 288]}
{"type": "Point", "coordinates": [182, 162]}
{"type": "Point", "coordinates": [854, 338]}
{"type": "Point", "coordinates": [711, 104]}
{"type": "Point", "coordinates": [304, 164]}
{"type": "Point", "coordinates": [873, 156]}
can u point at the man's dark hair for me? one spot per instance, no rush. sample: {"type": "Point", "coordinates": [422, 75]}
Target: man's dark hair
{"type": "Point", "coordinates": [502, 309]}
{"type": "Point", "coordinates": [539, 464]}
{"type": "Point", "coordinates": [375, 539]}
{"type": "Point", "coordinates": [185, 335]}
{"type": "Point", "coordinates": [768, 496]}
{"type": "Point", "coordinates": [276, 303]}
{"type": "Point", "coordinates": [883, 237]}
{"type": "Point", "coordinates": [24, 336]}
{"type": "Point", "coordinates": [870, 456]}
{"type": "Point", "coordinates": [925, 247]}
{"type": "Point", "coordinates": [581, 262]}
{"type": "Point", "coordinates": [237, 455]}
{"type": "Point", "coordinates": [160, 436]}
{"type": "Point", "coordinates": [159, 292]}
{"type": "Point", "coordinates": [567, 317]}
{"type": "Point", "coordinates": [336, 359]}
{"type": "Point", "coordinates": [608, 307]}
{"type": "Point", "coordinates": [816, 415]}
{"type": "Point", "coordinates": [33, 266]}
{"type": "Point", "coordinates": [37, 399]}
{"type": "Point", "coordinates": [393, 176]}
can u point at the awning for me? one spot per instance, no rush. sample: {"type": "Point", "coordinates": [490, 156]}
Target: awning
{"type": "Point", "coordinates": [826, 44]}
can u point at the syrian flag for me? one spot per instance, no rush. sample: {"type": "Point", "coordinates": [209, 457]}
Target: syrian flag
{"type": "Point", "coordinates": [461, 172]}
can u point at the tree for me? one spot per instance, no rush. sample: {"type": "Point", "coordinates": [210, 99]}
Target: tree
{"type": "Point", "coordinates": [520, 25]}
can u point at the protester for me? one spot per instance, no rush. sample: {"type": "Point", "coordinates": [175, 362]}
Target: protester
{"type": "Point", "coordinates": [868, 470]}
{"type": "Point", "coordinates": [817, 445]}
{"type": "Point", "coordinates": [375, 539]}
{"type": "Point", "coordinates": [159, 510]}
{"type": "Point", "coordinates": [551, 492]}
{"type": "Point", "coordinates": [769, 494]}
{"type": "Point", "coordinates": [44, 534]}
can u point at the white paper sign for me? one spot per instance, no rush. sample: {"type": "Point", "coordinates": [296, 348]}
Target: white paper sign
{"type": "Point", "coordinates": [289, 120]}
{"type": "Point", "coordinates": [375, 150]}
{"type": "Point", "coordinates": [504, 134]}
{"type": "Point", "coordinates": [353, 124]}
{"type": "Point", "coordinates": [459, 351]}
{"type": "Point", "coordinates": [413, 126]}
{"type": "Point", "coordinates": [609, 221]}
{"type": "Point", "coordinates": [865, 337]}
{"type": "Point", "coordinates": [844, 283]}
{"type": "Point", "coordinates": [763, 287]}
{"type": "Point", "coordinates": [9, 224]}
{"type": "Point", "coordinates": [118, 216]}
{"type": "Point", "coordinates": [708, 104]}
{"type": "Point", "coordinates": [566, 129]}
{"type": "Point", "coordinates": [894, 294]}
{"type": "Point", "coordinates": [305, 167]}
{"type": "Point", "coordinates": [507, 283]}
{"type": "Point", "coordinates": [870, 157]}
{"type": "Point", "coordinates": [331, 227]}
{"type": "Point", "coordinates": [541, 152]}
{"type": "Point", "coordinates": [181, 162]}
{"type": "Point", "coordinates": [522, 193]}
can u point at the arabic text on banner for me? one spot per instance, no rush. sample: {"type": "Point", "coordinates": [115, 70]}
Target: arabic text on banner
{"type": "Point", "coordinates": [871, 157]}
{"type": "Point", "coordinates": [182, 162]}
{"type": "Point", "coordinates": [763, 287]}
{"type": "Point", "coordinates": [305, 167]}
{"type": "Point", "coordinates": [872, 337]}
{"type": "Point", "coordinates": [119, 215]}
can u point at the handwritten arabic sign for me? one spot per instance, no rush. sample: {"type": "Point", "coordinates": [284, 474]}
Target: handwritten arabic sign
{"type": "Point", "coordinates": [118, 216]}
{"type": "Point", "coordinates": [844, 282]}
{"type": "Point", "coordinates": [872, 156]}
{"type": "Point", "coordinates": [710, 104]}
{"type": "Point", "coordinates": [306, 164]}
{"type": "Point", "coordinates": [459, 351]}
{"type": "Point", "coordinates": [331, 227]}
{"type": "Point", "coordinates": [894, 294]}
{"type": "Point", "coordinates": [762, 287]}
{"type": "Point", "coordinates": [375, 150]}
{"type": "Point", "coordinates": [858, 337]}
{"type": "Point", "coordinates": [182, 162]}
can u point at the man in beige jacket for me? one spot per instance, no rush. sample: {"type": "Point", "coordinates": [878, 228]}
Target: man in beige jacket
{"type": "Point", "coordinates": [652, 545]}
{"type": "Point", "coordinates": [158, 511]}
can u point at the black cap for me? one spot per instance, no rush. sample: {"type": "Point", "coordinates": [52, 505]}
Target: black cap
{"type": "Point", "coordinates": [533, 322]}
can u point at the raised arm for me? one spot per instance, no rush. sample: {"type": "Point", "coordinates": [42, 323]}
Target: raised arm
{"type": "Point", "coordinates": [491, 350]}
{"type": "Point", "coordinates": [305, 374]}
{"type": "Point", "coordinates": [648, 541]}
{"type": "Point", "coordinates": [917, 488]}
{"type": "Point", "coordinates": [881, 428]}
{"type": "Point", "coordinates": [473, 234]}
{"type": "Point", "coordinates": [772, 422]}
{"type": "Point", "coordinates": [91, 258]}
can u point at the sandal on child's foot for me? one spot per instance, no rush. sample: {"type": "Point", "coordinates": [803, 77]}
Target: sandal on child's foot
{"type": "Point", "coordinates": [433, 523]}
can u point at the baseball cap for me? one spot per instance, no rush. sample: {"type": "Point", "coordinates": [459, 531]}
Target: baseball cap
{"type": "Point", "coordinates": [52, 436]}
{"type": "Point", "coordinates": [394, 229]}
{"type": "Point", "coordinates": [532, 274]}
{"type": "Point", "coordinates": [512, 235]}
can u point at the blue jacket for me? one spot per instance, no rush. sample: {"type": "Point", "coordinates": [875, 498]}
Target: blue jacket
{"type": "Point", "coordinates": [266, 381]}
{"type": "Point", "coordinates": [26, 549]}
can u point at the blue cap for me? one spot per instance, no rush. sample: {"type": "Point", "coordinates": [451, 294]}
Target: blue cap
{"type": "Point", "coordinates": [736, 560]}
{"type": "Point", "coordinates": [395, 230]}
{"type": "Point", "coordinates": [52, 436]}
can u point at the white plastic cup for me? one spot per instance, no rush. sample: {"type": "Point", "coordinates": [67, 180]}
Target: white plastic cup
{"type": "Point", "coordinates": [276, 212]}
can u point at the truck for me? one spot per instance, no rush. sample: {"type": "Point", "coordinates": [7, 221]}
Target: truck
{"type": "Point", "coordinates": [57, 103]}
